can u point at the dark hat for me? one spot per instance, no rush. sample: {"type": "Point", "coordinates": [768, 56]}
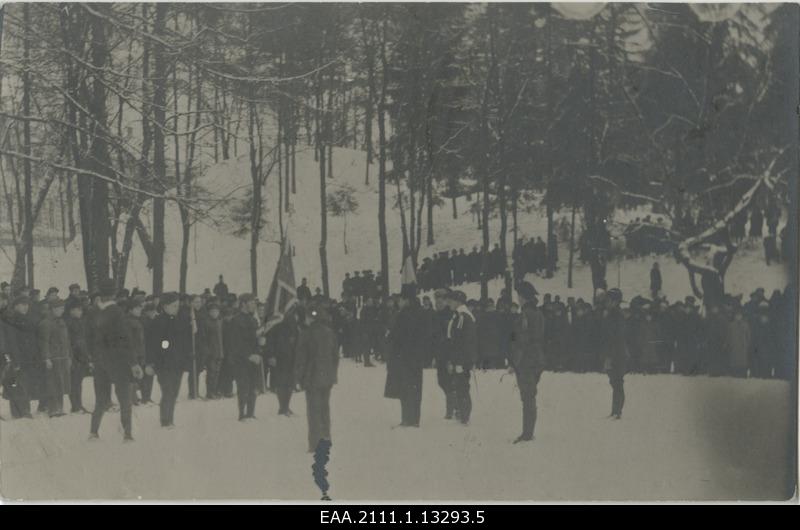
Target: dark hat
{"type": "Point", "coordinates": [458, 296]}
{"type": "Point", "coordinates": [52, 290]}
{"type": "Point", "coordinates": [71, 304]}
{"type": "Point", "coordinates": [170, 298]}
{"type": "Point", "coordinates": [526, 290]}
{"type": "Point", "coordinates": [4, 285]}
{"type": "Point", "coordinates": [246, 297]}
{"type": "Point", "coordinates": [56, 302]}
{"type": "Point", "coordinates": [21, 299]}
{"type": "Point", "coordinates": [442, 292]}
{"type": "Point", "coordinates": [74, 286]}
{"type": "Point", "coordinates": [615, 294]}
{"type": "Point", "coordinates": [690, 300]}
{"type": "Point", "coordinates": [107, 287]}
{"type": "Point", "coordinates": [133, 303]}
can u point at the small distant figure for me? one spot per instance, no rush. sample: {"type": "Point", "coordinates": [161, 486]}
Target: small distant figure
{"type": "Point", "coordinates": [221, 289]}
{"type": "Point", "coordinates": [303, 292]}
{"type": "Point", "coordinates": [655, 280]}
{"type": "Point", "coordinates": [771, 249]}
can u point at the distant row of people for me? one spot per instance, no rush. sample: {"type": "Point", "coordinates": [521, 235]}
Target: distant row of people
{"type": "Point", "coordinates": [455, 268]}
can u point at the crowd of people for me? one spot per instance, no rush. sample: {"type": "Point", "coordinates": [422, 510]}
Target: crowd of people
{"type": "Point", "coordinates": [646, 236]}
{"type": "Point", "coordinates": [128, 340]}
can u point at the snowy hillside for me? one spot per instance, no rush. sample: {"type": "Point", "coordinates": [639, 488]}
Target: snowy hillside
{"type": "Point", "coordinates": [679, 438]}
{"type": "Point", "coordinates": [213, 250]}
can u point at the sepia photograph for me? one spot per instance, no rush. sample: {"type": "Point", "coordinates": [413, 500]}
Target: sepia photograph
{"type": "Point", "coordinates": [399, 252]}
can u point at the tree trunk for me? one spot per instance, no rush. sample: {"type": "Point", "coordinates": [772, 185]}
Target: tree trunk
{"type": "Point", "coordinates": [159, 158]}
{"type": "Point", "coordinates": [27, 236]}
{"type": "Point", "coordinates": [382, 167]}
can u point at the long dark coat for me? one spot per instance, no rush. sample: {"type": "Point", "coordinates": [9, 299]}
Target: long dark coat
{"type": "Point", "coordinates": [317, 356]}
{"type": "Point", "coordinates": [113, 344]}
{"type": "Point", "coordinates": [169, 343]}
{"type": "Point", "coordinates": [54, 346]}
{"type": "Point", "coordinates": [77, 343]}
{"type": "Point", "coordinates": [242, 342]}
{"type": "Point", "coordinates": [281, 344]}
{"type": "Point", "coordinates": [24, 373]}
{"type": "Point", "coordinates": [527, 341]}
{"type": "Point", "coordinates": [407, 354]}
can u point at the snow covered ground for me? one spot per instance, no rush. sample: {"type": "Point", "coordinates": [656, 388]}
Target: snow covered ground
{"type": "Point", "coordinates": [680, 438]}
{"type": "Point", "coordinates": [213, 250]}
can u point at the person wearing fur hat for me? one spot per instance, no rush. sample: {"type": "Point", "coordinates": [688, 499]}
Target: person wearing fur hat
{"type": "Point", "coordinates": [527, 356]}
{"type": "Point", "coordinates": [168, 350]}
{"type": "Point", "coordinates": [115, 360]}
{"type": "Point", "coordinates": [54, 347]}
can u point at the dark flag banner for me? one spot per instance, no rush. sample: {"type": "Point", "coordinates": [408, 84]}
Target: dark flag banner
{"type": "Point", "coordinates": [282, 293]}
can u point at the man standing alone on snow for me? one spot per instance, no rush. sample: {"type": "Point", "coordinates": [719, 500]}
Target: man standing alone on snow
{"type": "Point", "coordinates": [115, 360]}
{"type": "Point", "coordinates": [527, 356]}
{"type": "Point", "coordinates": [616, 352]}
{"type": "Point", "coordinates": [316, 365]}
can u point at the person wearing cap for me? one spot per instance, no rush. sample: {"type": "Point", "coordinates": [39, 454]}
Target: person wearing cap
{"type": "Point", "coordinates": [764, 342]}
{"type": "Point", "coordinates": [655, 280]}
{"type": "Point", "coordinates": [194, 312]}
{"type": "Point", "coordinates": [315, 371]}
{"type": "Point", "coordinates": [74, 291]}
{"type": "Point", "coordinates": [210, 348]}
{"type": "Point", "coordinates": [149, 313]}
{"type": "Point", "coordinates": [527, 356]}
{"type": "Point", "coordinates": [440, 348]}
{"type": "Point", "coordinates": [221, 289]}
{"type": "Point", "coordinates": [303, 292]}
{"type": "Point", "coordinates": [245, 360]}
{"type": "Point", "coordinates": [37, 305]}
{"type": "Point", "coordinates": [281, 338]}
{"type": "Point", "coordinates": [114, 359]}
{"type": "Point", "coordinates": [614, 348]}
{"type": "Point", "coordinates": [406, 360]}
{"type": "Point", "coordinates": [81, 360]}
{"type": "Point", "coordinates": [462, 352]}
{"type": "Point", "coordinates": [370, 327]}
{"type": "Point", "coordinates": [167, 352]}
{"type": "Point", "coordinates": [5, 288]}
{"type": "Point", "coordinates": [133, 318]}
{"type": "Point", "coordinates": [24, 360]}
{"type": "Point", "coordinates": [54, 348]}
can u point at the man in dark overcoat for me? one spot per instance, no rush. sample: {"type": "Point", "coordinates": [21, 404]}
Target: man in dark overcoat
{"type": "Point", "coordinates": [315, 371]}
{"type": "Point", "coordinates": [114, 359]}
